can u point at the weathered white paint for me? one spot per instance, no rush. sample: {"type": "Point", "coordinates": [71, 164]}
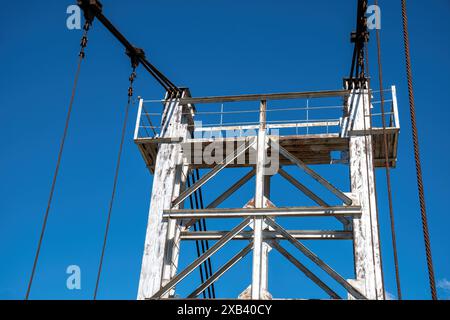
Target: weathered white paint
{"type": "Point", "coordinates": [265, 246]}
{"type": "Point", "coordinates": [258, 249]}
{"type": "Point", "coordinates": [358, 284]}
{"type": "Point", "coordinates": [138, 119]}
{"type": "Point", "coordinates": [162, 241]}
{"type": "Point", "coordinates": [172, 250]}
{"type": "Point", "coordinates": [366, 241]}
{"type": "Point", "coordinates": [395, 107]}
{"type": "Point", "coordinates": [166, 186]}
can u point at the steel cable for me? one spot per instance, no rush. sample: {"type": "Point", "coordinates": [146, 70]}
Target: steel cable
{"type": "Point", "coordinates": [420, 186]}
{"type": "Point", "coordinates": [81, 56]}
{"type": "Point", "coordinates": [197, 244]}
{"type": "Point", "coordinates": [373, 172]}
{"type": "Point", "coordinates": [387, 166]}
{"type": "Point", "coordinates": [204, 228]}
{"type": "Point", "coordinates": [116, 176]}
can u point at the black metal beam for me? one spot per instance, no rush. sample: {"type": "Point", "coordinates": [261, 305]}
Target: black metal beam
{"type": "Point", "coordinates": [94, 9]}
{"type": "Point", "coordinates": [359, 37]}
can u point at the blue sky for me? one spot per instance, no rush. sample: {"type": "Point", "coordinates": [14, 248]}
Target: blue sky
{"type": "Point", "coordinates": [214, 48]}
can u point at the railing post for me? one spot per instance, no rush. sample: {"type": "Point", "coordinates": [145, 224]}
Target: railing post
{"type": "Point", "coordinates": [257, 276]}
{"type": "Point", "coordinates": [395, 107]}
{"type": "Point", "coordinates": [138, 119]}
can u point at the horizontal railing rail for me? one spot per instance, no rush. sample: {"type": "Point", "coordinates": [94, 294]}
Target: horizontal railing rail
{"type": "Point", "coordinates": [302, 113]}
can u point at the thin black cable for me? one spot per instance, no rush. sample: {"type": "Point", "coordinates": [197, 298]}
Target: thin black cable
{"type": "Point", "coordinates": [116, 176]}
{"type": "Point", "coordinates": [202, 242]}
{"type": "Point", "coordinates": [367, 68]}
{"type": "Point", "coordinates": [202, 279]}
{"type": "Point", "coordinates": [387, 166]}
{"type": "Point", "coordinates": [81, 56]}
{"type": "Point", "coordinates": [205, 228]}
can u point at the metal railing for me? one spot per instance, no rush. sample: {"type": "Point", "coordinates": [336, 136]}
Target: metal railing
{"type": "Point", "coordinates": [390, 109]}
{"type": "Point", "coordinates": [303, 116]}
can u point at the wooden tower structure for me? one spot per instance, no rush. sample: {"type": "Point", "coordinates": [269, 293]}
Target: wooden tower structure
{"type": "Point", "coordinates": [172, 148]}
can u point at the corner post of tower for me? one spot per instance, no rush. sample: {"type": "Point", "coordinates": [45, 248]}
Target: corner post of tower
{"type": "Point", "coordinates": [258, 279]}
{"type": "Point", "coordinates": [367, 255]}
{"type": "Point", "coordinates": [161, 248]}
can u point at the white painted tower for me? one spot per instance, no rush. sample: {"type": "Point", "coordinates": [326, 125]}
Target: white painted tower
{"type": "Point", "coordinates": [171, 147]}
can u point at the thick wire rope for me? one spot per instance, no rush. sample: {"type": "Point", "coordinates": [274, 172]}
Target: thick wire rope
{"type": "Point", "coordinates": [415, 135]}
{"type": "Point", "coordinates": [116, 176]}
{"type": "Point", "coordinates": [81, 56]}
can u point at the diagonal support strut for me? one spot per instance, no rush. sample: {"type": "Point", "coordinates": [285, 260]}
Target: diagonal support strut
{"type": "Point", "coordinates": [310, 194]}
{"type": "Point", "coordinates": [319, 262]}
{"type": "Point", "coordinates": [305, 270]}
{"type": "Point", "coordinates": [225, 195]}
{"type": "Point", "coordinates": [205, 178]}
{"type": "Point", "coordinates": [311, 172]}
{"type": "Point", "coordinates": [218, 245]}
{"type": "Point", "coordinates": [227, 266]}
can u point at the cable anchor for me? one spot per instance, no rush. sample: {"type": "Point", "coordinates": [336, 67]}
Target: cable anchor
{"type": "Point", "coordinates": [84, 38]}
{"type": "Point", "coordinates": [133, 76]}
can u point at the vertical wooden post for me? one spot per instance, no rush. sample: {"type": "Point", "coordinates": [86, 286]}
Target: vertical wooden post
{"type": "Point", "coordinates": [167, 180]}
{"type": "Point", "coordinates": [366, 241]}
{"type": "Point", "coordinates": [138, 119]}
{"type": "Point", "coordinates": [256, 289]}
{"type": "Point", "coordinates": [172, 249]}
{"type": "Point", "coordinates": [265, 247]}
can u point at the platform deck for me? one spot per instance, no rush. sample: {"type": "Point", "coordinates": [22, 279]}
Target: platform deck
{"type": "Point", "coordinates": [311, 149]}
